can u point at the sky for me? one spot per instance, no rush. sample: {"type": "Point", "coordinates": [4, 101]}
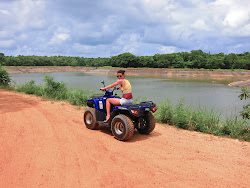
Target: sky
{"type": "Point", "coordinates": [105, 28]}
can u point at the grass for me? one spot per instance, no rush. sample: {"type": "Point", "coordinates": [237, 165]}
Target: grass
{"type": "Point", "coordinates": [10, 88]}
{"type": "Point", "coordinates": [202, 120]}
{"type": "Point", "coordinates": [180, 116]}
{"type": "Point", "coordinates": [54, 90]}
{"type": "Point", "coordinates": [30, 88]}
{"type": "Point", "coordinates": [79, 97]}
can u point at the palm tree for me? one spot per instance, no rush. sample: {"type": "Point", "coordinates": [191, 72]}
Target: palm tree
{"type": "Point", "coordinates": [244, 93]}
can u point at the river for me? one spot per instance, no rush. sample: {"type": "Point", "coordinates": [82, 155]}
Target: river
{"type": "Point", "coordinates": [199, 93]}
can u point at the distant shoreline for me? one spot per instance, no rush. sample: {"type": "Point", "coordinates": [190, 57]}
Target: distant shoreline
{"type": "Point", "coordinates": [243, 77]}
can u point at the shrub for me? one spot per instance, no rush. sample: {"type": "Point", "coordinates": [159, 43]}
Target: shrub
{"type": "Point", "coordinates": [181, 115]}
{"type": "Point", "coordinates": [79, 97]}
{"type": "Point", "coordinates": [236, 128]}
{"type": "Point", "coordinates": [30, 88]}
{"type": "Point", "coordinates": [54, 90]}
{"type": "Point", "coordinates": [207, 121]}
{"type": "Point", "coordinates": [4, 77]}
{"type": "Point", "coordinates": [202, 120]}
{"type": "Point", "coordinates": [165, 112]}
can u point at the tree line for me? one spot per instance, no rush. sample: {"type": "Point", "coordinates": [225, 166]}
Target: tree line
{"type": "Point", "coordinates": [196, 59]}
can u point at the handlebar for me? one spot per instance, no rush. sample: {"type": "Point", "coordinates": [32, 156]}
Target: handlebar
{"type": "Point", "coordinates": [115, 88]}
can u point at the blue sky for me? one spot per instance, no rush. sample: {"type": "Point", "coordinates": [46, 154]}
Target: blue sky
{"type": "Point", "coordinates": [104, 28]}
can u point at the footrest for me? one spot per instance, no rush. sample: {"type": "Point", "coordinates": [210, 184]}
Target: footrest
{"type": "Point", "coordinates": [103, 123]}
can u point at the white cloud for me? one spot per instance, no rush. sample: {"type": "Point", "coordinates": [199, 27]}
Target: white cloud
{"type": "Point", "coordinates": [236, 18]}
{"type": "Point", "coordinates": [167, 49]}
{"type": "Point", "coordinates": [59, 38]}
{"type": "Point", "coordinates": [63, 36]}
{"type": "Point", "coordinates": [103, 28]}
{"type": "Point", "coordinates": [5, 12]}
{"type": "Point", "coordinates": [232, 13]}
{"type": "Point", "coordinates": [30, 14]}
{"type": "Point", "coordinates": [4, 34]}
{"type": "Point", "coordinates": [90, 51]}
{"type": "Point", "coordinates": [159, 10]}
{"type": "Point", "coordinates": [126, 43]}
{"type": "Point", "coordinates": [7, 44]}
{"type": "Point", "coordinates": [23, 36]}
{"type": "Point", "coordinates": [201, 25]}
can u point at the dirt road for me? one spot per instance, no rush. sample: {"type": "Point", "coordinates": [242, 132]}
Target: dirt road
{"type": "Point", "coordinates": [45, 144]}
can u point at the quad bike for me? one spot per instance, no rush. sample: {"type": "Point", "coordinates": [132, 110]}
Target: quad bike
{"type": "Point", "coordinates": [123, 119]}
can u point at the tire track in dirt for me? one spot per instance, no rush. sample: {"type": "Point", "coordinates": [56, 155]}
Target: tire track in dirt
{"type": "Point", "coordinates": [45, 144]}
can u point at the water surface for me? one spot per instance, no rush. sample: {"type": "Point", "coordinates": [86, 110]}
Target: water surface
{"type": "Point", "coordinates": [197, 92]}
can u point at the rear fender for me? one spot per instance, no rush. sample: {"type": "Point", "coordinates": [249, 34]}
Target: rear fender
{"type": "Point", "coordinates": [126, 112]}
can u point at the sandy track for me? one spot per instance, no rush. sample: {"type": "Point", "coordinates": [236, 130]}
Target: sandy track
{"type": "Point", "coordinates": [45, 144]}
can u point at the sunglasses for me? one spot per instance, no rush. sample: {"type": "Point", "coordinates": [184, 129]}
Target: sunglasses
{"type": "Point", "coordinates": [119, 76]}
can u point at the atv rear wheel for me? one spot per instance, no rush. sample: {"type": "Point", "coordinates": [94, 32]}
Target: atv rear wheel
{"type": "Point", "coordinates": [89, 118]}
{"type": "Point", "coordinates": [122, 127]}
{"type": "Point", "coordinates": [146, 123]}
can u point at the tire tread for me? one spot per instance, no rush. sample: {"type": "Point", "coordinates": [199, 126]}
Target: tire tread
{"type": "Point", "coordinates": [128, 124]}
{"type": "Point", "coordinates": [94, 125]}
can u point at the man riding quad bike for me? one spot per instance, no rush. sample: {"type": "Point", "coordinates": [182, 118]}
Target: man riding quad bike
{"type": "Point", "coordinates": [124, 119]}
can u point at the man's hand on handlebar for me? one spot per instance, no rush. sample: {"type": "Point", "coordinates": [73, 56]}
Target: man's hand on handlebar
{"type": "Point", "coordinates": [102, 89]}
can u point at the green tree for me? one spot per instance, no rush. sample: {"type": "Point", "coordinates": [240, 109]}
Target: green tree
{"type": "Point", "coordinates": [164, 60]}
{"type": "Point", "coordinates": [74, 62]}
{"type": "Point", "coordinates": [185, 56]}
{"type": "Point", "coordinates": [127, 60]}
{"type": "Point", "coordinates": [2, 59]}
{"type": "Point", "coordinates": [195, 59]}
{"type": "Point", "coordinates": [230, 61]}
{"type": "Point", "coordinates": [178, 61]}
{"type": "Point", "coordinates": [146, 61]}
{"type": "Point", "coordinates": [196, 53]}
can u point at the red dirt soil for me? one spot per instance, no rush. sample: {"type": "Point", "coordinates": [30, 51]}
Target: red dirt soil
{"type": "Point", "coordinates": [46, 144]}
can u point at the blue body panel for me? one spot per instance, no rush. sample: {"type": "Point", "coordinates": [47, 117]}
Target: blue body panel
{"type": "Point", "coordinates": [108, 94]}
{"type": "Point", "coordinates": [96, 100]}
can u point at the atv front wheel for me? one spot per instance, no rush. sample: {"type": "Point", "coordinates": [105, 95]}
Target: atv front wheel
{"type": "Point", "coordinates": [90, 118]}
{"type": "Point", "coordinates": [122, 127]}
{"type": "Point", "coordinates": [146, 123]}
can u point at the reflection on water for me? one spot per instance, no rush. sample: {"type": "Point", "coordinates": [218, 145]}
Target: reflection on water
{"type": "Point", "coordinates": [197, 92]}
